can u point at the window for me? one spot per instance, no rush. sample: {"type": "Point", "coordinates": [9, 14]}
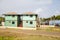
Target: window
{"type": "Point", "coordinates": [26, 15]}
{"type": "Point", "coordinates": [26, 21]}
{"type": "Point", "coordinates": [8, 15]}
{"type": "Point", "coordinates": [36, 15]}
{"type": "Point", "coordinates": [31, 15]}
{"type": "Point", "coordinates": [13, 22]}
{"type": "Point", "coordinates": [31, 22]}
{"type": "Point", "coordinates": [13, 15]}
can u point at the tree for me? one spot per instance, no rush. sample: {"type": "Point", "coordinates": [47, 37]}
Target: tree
{"type": "Point", "coordinates": [52, 18]}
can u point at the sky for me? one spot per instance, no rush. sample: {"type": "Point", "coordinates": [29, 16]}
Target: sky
{"type": "Point", "coordinates": [44, 8]}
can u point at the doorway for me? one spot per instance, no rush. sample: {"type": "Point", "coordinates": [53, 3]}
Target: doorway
{"type": "Point", "coordinates": [20, 22]}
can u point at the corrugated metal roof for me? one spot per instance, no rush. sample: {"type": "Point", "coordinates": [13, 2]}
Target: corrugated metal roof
{"type": "Point", "coordinates": [14, 13]}
{"type": "Point", "coordinates": [11, 13]}
{"type": "Point", "coordinates": [28, 13]}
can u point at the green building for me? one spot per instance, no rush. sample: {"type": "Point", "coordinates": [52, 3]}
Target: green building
{"type": "Point", "coordinates": [27, 20]}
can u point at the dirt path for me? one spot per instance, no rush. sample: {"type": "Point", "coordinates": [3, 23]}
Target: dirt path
{"type": "Point", "coordinates": [28, 32]}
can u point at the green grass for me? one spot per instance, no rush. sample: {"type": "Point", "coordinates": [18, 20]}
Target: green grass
{"type": "Point", "coordinates": [53, 29]}
{"type": "Point", "coordinates": [8, 35]}
{"type": "Point", "coordinates": [6, 38]}
{"type": "Point", "coordinates": [31, 37]}
{"type": "Point", "coordinates": [50, 29]}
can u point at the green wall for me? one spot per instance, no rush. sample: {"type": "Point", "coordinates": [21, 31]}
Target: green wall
{"type": "Point", "coordinates": [28, 25]}
{"type": "Point", "coordinates": [16, 19]}
{"type": "Point", "coordinates": [9, 23]}
{"type": "Point", "coordinates": [9, 20]}
{"type": "Point", "coordinates": [29, 18]}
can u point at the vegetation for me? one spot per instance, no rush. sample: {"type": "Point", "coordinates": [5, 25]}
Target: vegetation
{"type": "Point", "coordinates": [31, 37]}
{"type": "Point", "coordinates": [57, 17]}
{"type": "Point", "coordinates": [50, 29]}
{"type": "Point", "coordinates": [15, 35]}
{"type": "Point", "coordinates": [2, 19]}
{"type": "Point", "coordinates": [52, 18]}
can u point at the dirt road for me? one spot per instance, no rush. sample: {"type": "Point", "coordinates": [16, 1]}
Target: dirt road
{"type": "Point", "coordinates": [27, 32]}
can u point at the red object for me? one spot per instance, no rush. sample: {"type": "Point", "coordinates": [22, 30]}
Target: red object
{"type": "Point", "coordinates": [20, 25]}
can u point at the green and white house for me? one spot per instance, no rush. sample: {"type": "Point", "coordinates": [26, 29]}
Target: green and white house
{"type": "Point", "coordinates": [21, 20]}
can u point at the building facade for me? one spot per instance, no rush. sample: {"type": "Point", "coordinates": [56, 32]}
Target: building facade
{"type": "Point", "coordinates": [29, 21]}
{"type": "Point", "coordinates": [11, 20]}
{"type": "Point", "coordinates": [21, 20]}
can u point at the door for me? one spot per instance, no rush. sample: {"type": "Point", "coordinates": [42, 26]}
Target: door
{"type": "Point", "coordinates": [20, 24]}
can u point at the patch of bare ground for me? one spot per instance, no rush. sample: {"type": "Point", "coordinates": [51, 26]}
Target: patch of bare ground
{"type": "Point", "coordinates": [19, 32]}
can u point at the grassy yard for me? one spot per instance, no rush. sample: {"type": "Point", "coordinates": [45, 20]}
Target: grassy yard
{"type": "Point", "coordinates": [50, 29]}
{"type": "Point", "coordinates": [31, 37]}
{"type": "Point", "coordinates": [15, 34]}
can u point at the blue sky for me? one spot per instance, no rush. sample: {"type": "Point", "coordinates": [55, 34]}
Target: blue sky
{"type": "Point", "coordinates": [44, 8]}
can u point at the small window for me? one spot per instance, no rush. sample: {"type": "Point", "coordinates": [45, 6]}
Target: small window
{"type": "Point", "coordinates": [36, 15]}
{"type": "Point", "coordinates": [26, 15]}
{"type": "Point", "coordinates": [13, 15]}
{"type": "Point", "coordinates": [26, 21]}
{"type": "Point", "coordinates": [8, 15]}
{"type": "Point", "coordinates": [31, 15]}
{"type": "Point", "coordinates": [31, 22]}
{"type": "Point", "coordinates": [13, 22]}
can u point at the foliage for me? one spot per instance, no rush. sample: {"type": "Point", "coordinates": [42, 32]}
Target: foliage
{"type": "Point", "coordinates": [30, 37]}
{"type": "Point", "coordinates": [52, 18]}
{"type": "Point", "coordinates": [2, 19]}
{"type": "Point", "coordinates": [57, 17]}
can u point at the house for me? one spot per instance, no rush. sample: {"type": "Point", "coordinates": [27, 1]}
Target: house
{"type": "Point", "coordinates": [26, 20]}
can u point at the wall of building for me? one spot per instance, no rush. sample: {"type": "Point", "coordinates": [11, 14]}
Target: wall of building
{"type": "Point", "coordinates": [9, 23]}
{"type": "Point", "coordinates": [29, 18]}
{"type": "Point", "coordinates": [28, 25]}
{"type": "Point", "coordinates": [9, 20]}
{"type": "Point", "coordinates": [16, 19]}
{"type": "Point", "coordinates": [10, 17]}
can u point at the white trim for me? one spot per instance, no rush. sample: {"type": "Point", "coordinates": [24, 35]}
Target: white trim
{"type": "Point", "coordinates": [18, 28]}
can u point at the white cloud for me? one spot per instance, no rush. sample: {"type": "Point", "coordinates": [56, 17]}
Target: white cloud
{"type": "Point", "coordinates": [38, 10]}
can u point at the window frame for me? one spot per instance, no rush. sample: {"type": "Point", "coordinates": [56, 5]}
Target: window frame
{"type": "Point", "coordinates": [13, 22]}
{"type": "Point", "coordinates": [31, 22]}
{"type": "Point", "coordinates": [13, 15]}
{"type": "Point", "coordinates": [31, 15]}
